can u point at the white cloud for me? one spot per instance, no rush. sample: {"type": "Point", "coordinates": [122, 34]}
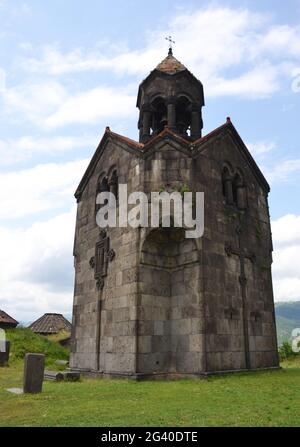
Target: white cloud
{"type": "Point", "coordinates": [23, 148]}
{"type": "Point", "coordinates": [44, 187]}
{"type": "Point", "coordinates": [281, 40]}
{"type": "Point", "coordinates": [233, 52]}
{"type": "Point", "coordinates": [49, 105]}
{"type": "Point", "coordinates": [92, 106]}
{"type": "Point", "coordinates": [33, 101]}
{"type": "Point", "coordinates": [215, 38]}
{"type": "Point", "coordinates": [286, 266]}
{"type": "Point", "coordinates": [260, 148]}
{"type": "Point", "coordinates": [37, 267]}
{"type": "Point", "coordinates": [283, 171]}
{"type": "Point", "coordinates": [286, 230]}
{"type": "Point", "coordinates": [260, 82]}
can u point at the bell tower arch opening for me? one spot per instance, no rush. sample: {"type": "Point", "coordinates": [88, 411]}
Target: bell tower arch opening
{"type": "Point", "coordinates": [159, 115]}
{"type": "Point", "coordinates": [183, 116]}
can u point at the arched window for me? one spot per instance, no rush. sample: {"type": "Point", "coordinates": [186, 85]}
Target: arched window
{"type": "Point", "coordinates": [113, 183]}
{"type": "Point", "coordinates": [183, 116]}
{"type": "Point", "coordinates": [227, 186]}
{"type": "Point", "coordinates": [159, 115]}
{"type": "Point", "coordinates": [102, 186]}
{"type": "Point", "coordinates": [233, 187]}
{"type": "Point", "coordinates": [239, 192]}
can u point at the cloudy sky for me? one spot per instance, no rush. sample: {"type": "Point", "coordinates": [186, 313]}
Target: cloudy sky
{"type": "Point", "coordinates": [69, 68]}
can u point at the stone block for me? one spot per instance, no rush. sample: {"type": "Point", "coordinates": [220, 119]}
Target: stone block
{"type": "Point", "coordinates": [124, 344]}
{"type": "Point", "coordinates": [144, 344]}
{"type": "Point", "coordinates": [160, 343]}
{"type": "Point", "coordinates": [158, 328]}
{"type": "Point", "coordinates": [180, 343]}
{"type": "Point", "coordinates": [4, 354]}
{"type": "Point", "coordinates": [188, 362]}
{"type": "Point", "coordinates": [196, 342]}
{"type": "Point", "coordinates": [181, 327]}
{"type": "Point", "coordinates": [33, 373]}
{"type": "Point", "coordinates": [155, 362]}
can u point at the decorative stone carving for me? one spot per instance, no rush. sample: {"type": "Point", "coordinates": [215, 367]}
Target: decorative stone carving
{"type": "Point", "coordinates": [99, 262]}
{"type": "Point", "coordinates": [230, 250]}
{"type": "Point", "coordinates": [242, 280]}
{"type": "Point", "coordinates": [231, 313]}
{"type": "Point", "coordinates": [111, 254]}
{"type": "Point", "coordinates": [100, 283]}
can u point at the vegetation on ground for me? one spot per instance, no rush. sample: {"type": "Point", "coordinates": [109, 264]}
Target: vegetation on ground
{"type": "Point", "coordinates": [24, 340]}
{"type": "Point", "coordinates": [266, 398]}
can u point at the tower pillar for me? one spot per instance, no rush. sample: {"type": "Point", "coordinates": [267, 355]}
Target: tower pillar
{"type": "Point", "coordinates": [171, 113]}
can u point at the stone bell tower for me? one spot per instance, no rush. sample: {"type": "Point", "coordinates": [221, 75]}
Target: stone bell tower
{"type": "Point", "coordinates": [148, 302]}
{"type": "Point", "coordinates": [170, 96]}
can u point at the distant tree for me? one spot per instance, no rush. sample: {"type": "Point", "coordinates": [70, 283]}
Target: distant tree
{"type": "Point", "coordinates": [286, 350]}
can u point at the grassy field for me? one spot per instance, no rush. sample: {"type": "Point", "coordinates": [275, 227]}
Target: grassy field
{"type": "Point", "coordinates": [270, 398]}
{"type": "Point", "coordinates": [250, 399]}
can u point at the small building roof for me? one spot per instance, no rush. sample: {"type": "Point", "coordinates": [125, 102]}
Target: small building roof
{"type": "Point", "coordinates": [51, 323]}
{"type": "Point", "coordinates": [7, 319]}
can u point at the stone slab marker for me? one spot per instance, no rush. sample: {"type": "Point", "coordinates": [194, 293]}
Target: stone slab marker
{"type": "Point", "coordinates": [34, 373]}
{"type": "Point", "coordinates": [4, 355]}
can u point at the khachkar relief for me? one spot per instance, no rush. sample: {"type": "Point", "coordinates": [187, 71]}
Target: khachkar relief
{"type": "Point", "coordinates": [242, 255]}
{"type": "Point", "coordinates": [99, 262]}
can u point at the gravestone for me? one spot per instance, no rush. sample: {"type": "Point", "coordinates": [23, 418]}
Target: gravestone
{"type": "Point", "coordinates": [4, 354]}
{"type": "Point", "coordinates": [33, 373]}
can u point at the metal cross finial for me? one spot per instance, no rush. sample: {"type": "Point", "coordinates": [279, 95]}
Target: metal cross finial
{"type": "Point", "coordinates": [169, 39]}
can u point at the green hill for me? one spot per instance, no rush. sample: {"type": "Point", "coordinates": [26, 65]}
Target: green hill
{"type": "Point", "coordinates": [287, 319]}
{"type": "Point", "coordinates": [23, 340]}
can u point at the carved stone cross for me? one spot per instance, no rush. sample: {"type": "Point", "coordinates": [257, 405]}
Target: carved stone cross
{"type": "Point", "coordinates": [242, 255]}
{"type": "Point", "coordinates": [99, 262]}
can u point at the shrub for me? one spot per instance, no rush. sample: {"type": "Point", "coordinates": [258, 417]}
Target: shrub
{"type": "Point", "coordinates": [286, 351]}
{"type": "Point", "coordinates": [23, 340]}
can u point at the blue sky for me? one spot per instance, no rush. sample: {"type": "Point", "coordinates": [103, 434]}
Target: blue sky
{"type": "Point", "coordinates": [68, 69]}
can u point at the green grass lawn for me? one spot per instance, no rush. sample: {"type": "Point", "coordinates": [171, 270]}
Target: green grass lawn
{"type": "Point", "coordinates": [269, 398]}
{"type": "Point", "coordinates": [251, 399]}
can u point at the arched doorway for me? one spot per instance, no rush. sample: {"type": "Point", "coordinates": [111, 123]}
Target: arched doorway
{"type": "Point", "coordinates": [169, 304]}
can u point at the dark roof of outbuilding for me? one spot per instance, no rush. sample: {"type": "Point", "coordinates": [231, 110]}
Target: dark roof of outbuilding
{"type": "Point", "coordinates": [7, 319]}
{"type": "Point", "coordinates": [51, 324]}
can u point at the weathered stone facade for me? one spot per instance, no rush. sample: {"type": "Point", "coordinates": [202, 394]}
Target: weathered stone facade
{"type": "Point", "coordinates": [160, 304]}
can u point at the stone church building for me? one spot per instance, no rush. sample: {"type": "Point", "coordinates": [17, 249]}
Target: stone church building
{"type": "Point", "coordinates": [149, 302]}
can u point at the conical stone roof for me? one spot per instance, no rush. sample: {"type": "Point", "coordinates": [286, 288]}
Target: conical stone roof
{"type": "Point", "coordinates": [170, 64]}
